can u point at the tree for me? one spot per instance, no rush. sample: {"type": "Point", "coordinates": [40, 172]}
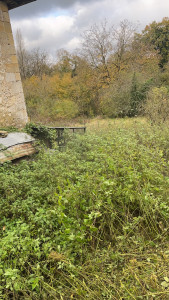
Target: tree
{"type": "Point", "coordinates": [66, 62]}
{"type": "Point", "coordinates": [63, 64]}
{"type": "Point", "coordinates": [22, 54]}
{"type": "Point", "coordinates": [115, 99]}
{"type": "Point", "coordinates": [157, 35]}
{"type": "Point", "coordinates": [97, 47]}
{"type": "Point", "coordinates": [138, 94]}
{"type": "Point", "coordinates": [87, 86]}
{"type": "Point", "coordinates": [105, 46]}
{"type": "Point", "coordinates": [123, 37]}
{"type": "Point", "coordinates": [33, 62]}
{"type": "Point", "coordinates": [134, 97]}
{"type": "Point", "coordinates": [38, 62]}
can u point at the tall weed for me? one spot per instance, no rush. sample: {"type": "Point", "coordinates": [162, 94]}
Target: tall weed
{"type": "Point", "coordinates": [73, 221]}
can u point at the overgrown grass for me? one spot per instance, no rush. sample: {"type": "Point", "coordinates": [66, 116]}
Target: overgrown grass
{"type": "Point", "coordinates": [90, 221]}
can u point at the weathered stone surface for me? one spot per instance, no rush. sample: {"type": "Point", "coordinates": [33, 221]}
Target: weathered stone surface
{"type": "Point", "coordinates": [12, 103]}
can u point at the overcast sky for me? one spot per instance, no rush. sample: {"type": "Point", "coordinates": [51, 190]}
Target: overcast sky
{"type": "Point", "coordinates": [56, 24]}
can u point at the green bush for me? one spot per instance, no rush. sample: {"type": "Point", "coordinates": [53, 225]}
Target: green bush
{"type": "Point", "coordinates": [67, 218]}
{"type": "Point", "coordinates": [157, 105]}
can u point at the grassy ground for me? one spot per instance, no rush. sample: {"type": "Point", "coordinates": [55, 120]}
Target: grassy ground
{"type": "Point", "coordinates": [90, 221]}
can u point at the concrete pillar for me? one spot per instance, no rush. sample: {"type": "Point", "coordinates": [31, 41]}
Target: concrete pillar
{"type": "Point", "coordinates": [12, 103]}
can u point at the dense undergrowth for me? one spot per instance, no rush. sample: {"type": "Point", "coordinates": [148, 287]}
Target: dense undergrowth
{"type": "Point", "coordinates": [90, 221]}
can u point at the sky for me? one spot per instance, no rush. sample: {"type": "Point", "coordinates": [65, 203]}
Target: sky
{"type": "Point", "coordinates": [58, 24]}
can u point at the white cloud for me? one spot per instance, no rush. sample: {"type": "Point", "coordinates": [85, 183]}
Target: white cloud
{"type": "Point", "coordinates": [53, 31]}
{"type": "Point", "coordinates": [49, 33]}
{"type": "Point", "coordinates": [74, 43]}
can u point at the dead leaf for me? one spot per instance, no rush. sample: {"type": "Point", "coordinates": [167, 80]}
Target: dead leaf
{"type": "Point", "coordinates": [56, 256]}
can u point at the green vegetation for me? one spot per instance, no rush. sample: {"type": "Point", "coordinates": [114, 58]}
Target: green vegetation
{"type": "Point", "coordinates": [156, 35]}
{"type": "Point", "coordinates": [157, 105]}
{"type": "Point", "coordinates": [90, 221]}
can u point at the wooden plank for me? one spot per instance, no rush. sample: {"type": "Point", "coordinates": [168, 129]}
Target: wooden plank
{"type": "Point", "coordinates": [3, 134]}
{"type": "Point", "coordinates": [17, 151]}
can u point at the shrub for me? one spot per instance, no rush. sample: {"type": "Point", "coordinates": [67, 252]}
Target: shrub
{"type": "Point", "coordinates": [156, 107]}
{"type": "Point", "coordinates": [80, 223]}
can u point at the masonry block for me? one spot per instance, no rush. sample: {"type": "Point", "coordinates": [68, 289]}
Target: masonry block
{"type": "Point", "coordinates": [12, 102]}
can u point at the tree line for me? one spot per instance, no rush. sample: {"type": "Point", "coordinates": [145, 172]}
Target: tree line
{"type": "Point", "coordinates": [117, 72]}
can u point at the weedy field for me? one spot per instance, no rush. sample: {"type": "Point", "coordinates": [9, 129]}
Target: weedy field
{"type": "Point", "coordinates": [90, 221]}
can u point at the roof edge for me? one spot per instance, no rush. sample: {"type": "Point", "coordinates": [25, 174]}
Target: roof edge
{"type": "Point", "coordinates": [16, 3]}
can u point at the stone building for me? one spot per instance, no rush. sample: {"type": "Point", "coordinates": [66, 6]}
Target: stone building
{"type": "Point", "coordinates": [12, 103]}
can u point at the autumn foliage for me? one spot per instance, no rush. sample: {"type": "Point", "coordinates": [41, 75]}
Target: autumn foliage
{"type": "Point", "coordinates": [111, 75]}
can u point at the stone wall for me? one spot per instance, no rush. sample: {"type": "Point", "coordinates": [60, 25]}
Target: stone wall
{"type": "Point", "coordinates": [12, 103]}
